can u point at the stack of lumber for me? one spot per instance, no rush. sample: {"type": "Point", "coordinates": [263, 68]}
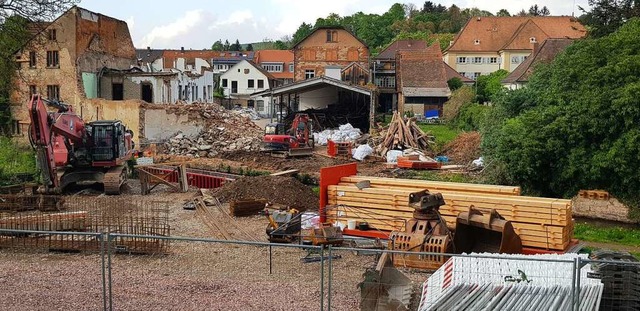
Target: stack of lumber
{"type": "Point", "coordinates": [402, 134]}
{"type": "Point", "coordinates": [540, 222]}
{"type": "Point", "coordinates": [414, 162]}
{"type": "Point", "coordinates": [246, 208]}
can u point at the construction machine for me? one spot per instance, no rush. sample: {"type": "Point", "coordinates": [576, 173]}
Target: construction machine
{"type": "Point", "coordinates": [284, 224]}
{"type": "Point", "coordinates": [71, 151]}
{"type": "Point", "coordinates": [296, 141]}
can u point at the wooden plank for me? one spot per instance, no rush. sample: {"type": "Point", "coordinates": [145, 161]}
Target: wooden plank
{"type": "Point", "coordinates": [426, 184]}
{"type": "Point", "coordinates": [283, 173]}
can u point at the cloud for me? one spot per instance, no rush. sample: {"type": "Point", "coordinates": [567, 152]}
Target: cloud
{"type": "Point", "coordinates": [167, 33]}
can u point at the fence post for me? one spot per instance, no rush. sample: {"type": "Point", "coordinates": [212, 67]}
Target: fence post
{"type": "Point", "coordinates": [577, 294]}
{"type": "Point", "coordinates": [330, 278]}
{"type": "Point", "coordinates": [270, 259]}
{"type": "Point", "coordinates": [321, 278]}
{"type": "Point", "coordinates": [104, 277]}
{"type": "Point", "coordinates": [109, 271]}
{"type": "Point", "coordinates": [573, 284]}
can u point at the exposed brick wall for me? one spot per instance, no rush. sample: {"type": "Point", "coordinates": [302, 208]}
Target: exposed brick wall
{"type": "Point", "coordinates": [316, 53]}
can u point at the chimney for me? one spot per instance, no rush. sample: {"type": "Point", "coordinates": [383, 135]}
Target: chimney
{"type": "Point", "coordinates": [536, 47]}
{"type": "Point", "coordinates": [182, 50]}
{"type": "Point", "coordinates": [148, 48]}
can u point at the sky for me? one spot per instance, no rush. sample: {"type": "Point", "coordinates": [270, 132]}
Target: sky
{"type": "Point", "coordinates": [197, 24]}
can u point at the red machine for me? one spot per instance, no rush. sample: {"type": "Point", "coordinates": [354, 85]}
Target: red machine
{"type": "Point", "coordinates": [71, 151]}
{"type": "Point", "coordinates": [297, 141]}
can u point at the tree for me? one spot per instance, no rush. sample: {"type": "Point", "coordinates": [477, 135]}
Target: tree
{"type": "Point", "coordinates": [606, 16]}
{"type": "Point", "coordinates": [249, 47]}
{"type": "Point", "coordinates": [430, 7]}
{"type": "Point", "coordinates": [575, 125]}
{"type": "Point", "coordinates": [218, 46]}
{"type": "Point", "coordinates": [489, 86]}
{"type": "Point", "coordinates": [503, 12]}
{"type": "Point", "coordinates": [522, 13]}
{"type": "Point", "coordinates": [302, 32]}
{"type": "Point", "coordinates": [227, 45]}
{"type": "Point", "coordinates": [34, 10]}
{"type": "Point", "coordinates": [280, 45]}
{"type": "Point", "coordinates": [236, 46]}
{"type": "Point", "coordinates": [454, 83]}
{"type": "Point", "coordinates": [534, 10]}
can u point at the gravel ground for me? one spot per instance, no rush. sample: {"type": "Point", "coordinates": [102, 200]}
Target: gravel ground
{"type": "Point", "coordinates": [194, 276]}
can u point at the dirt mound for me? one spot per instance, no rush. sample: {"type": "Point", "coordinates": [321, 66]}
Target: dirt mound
{"type": "Point", "coordinates": [464, 149]}
{"type": "Point", "coordinates": [278, 189]}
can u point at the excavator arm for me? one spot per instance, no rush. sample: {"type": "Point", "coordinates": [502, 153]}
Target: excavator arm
{"type": "Point", "coordinates": [50, 133]}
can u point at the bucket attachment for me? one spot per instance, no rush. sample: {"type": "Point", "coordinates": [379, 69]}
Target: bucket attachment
{"type": "Point", "coordinates": [485, 232]}
{"type": "Point", "coordinates": [385, 288]}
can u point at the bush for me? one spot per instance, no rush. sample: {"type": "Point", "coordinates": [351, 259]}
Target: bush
{"type": "Point", "coordinates": [460, 97]}
{"type": "Point", "coordinates": [16, 162]}
{"type": "Point", "coordinates": [470, 117]}
{"type": "Point", "coordinates": [455, 83]}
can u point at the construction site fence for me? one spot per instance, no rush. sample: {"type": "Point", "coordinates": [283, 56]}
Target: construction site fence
{"type": "Point", "coordinates": [211, 274]}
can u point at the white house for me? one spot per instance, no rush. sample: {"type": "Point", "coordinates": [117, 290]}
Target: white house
{"type": "Point", "coordinates": [244, 79]}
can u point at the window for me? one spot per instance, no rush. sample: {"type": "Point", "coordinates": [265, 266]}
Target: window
{"type": "Point", "coordinates": [271, 67]}
{"type": "Point", "coordinates": [53, 60]}
{"type": "Point", "coordinates": [493, 60]}
{"type": "Point", "coordinates": [224, 83]}
{"type": "Point", "coordinates": [309, 73]}
{"type": "Point", "coordinates": [515, 59]}
{"type": "Point", "coordinates": [53, 92]}
{"type": "Point", "coordinates": [33, 90]}
{"type": "Point", "coordinates": [476, 75]}
{"type": "Point", "coordinates": [179, 92]}
{"type": "Point", "coordinates": [309, 55]}
{"type": "Point", "coordinates": [117, 91]}
{"type": "Point", "coordinates": [246, 71]}
{"type": "Point", "coordinates": [477, 60]}
{"type": "Point", "coordinates": [32, 59]}
{"type": "Point", "coordinates": [332, 36]}
{"type": "Point", "coordinates": [290, 67]}
{"type": "Point", "coordinates": [331, 55]}
{"type": "Point", "coordinates": [260, 105]}
{"type": "Point", "coordinates": [261, 84]}
{"type": "Point", "coordinates": [251, 83]}
{"type": "Point", "coordinates": [463, 74]}
{"type": "Point", "coordinates": [16, 129]}
{"type": "Point", "coordinates": [52, 34]}
{"type": "Point", "coordinates": [461, 60]}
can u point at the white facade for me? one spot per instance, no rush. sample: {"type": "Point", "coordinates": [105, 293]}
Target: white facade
{"type": "Point", "coordinates": [244, 79]}
{"type": "Point", "coordinates": [472, 65]}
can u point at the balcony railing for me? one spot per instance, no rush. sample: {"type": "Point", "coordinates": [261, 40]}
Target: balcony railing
{"type": "Point", "coordinates": [386, 82]}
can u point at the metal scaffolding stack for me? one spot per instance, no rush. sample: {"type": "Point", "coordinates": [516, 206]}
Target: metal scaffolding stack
{"type": "Point", "coordinates": [83, 214]}
{"type": "Point", "coordinates": [621, 280]}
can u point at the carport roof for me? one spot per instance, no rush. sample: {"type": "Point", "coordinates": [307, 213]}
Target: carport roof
{"type": "Point", "coordinates": [312, 84]}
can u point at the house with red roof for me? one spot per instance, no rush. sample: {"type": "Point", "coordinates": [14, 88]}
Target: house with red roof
{"type": "Point", "coordinates": [279, 63]}
{"type": "Point", "coordinates": [487, 44]}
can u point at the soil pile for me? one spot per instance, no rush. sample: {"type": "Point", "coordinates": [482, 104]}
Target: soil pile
{"type": "Point", "coordinates": [224, 131]}
{"type": "Point", "coordinates": [464, 149]}
{"type": "Point", "coordinates": [277, 189]}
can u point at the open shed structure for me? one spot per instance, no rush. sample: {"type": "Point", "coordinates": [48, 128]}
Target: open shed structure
{"type": "Point", "coordinates": [330, 102]}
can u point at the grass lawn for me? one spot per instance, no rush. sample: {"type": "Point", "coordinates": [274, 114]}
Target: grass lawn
{"type": "Point", "coordinates": [617, 235]}
{"type": "Point", "coordinates": [443, 133]}
{"type": "Point", "coordinates": [15, 159]}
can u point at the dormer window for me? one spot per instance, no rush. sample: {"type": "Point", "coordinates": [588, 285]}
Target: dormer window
{"type": "Point", "coordinates": [532, 40]}
{"type": "Point", "coordinates": [476, 42]}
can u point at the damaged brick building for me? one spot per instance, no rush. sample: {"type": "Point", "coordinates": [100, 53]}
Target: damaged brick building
{"type": "Point", "coordinates": [64, 58]}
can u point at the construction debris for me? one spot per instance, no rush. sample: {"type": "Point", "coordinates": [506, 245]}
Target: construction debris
{"type": "Point", "coordinates": [277, 189]}
{"type": "Point", "coordinates": [224, 131]}
{"type": "Point", "coordinates": [344, 133]}
{"type": "Point", "coordinates": [464, 149]}
{"type": "Point", "coordinates": [401, 134]}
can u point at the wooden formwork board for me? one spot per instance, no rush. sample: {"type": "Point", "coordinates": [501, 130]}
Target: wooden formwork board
{"type": "Point", "coordinates": [435, 185]}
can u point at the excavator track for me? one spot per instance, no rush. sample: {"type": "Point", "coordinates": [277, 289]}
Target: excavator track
{"type": "Point", "coordinates": [113, 180]}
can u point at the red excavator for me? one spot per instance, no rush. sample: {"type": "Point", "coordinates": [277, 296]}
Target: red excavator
{"type": "Point", "coordinates": [297, 141]}
{"type": "Point", "coordinates": [71, 151]}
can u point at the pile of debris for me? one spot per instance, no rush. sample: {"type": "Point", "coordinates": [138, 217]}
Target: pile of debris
{"type": "Point", "coordinates": [401, 134]}
{"type": "Point", "coordinates": [224, 131]}
{"type": "Point", "coordinates": [464, 149]}
{"type": "Point", "coordinates": [277, 189]}
{"type": "Point", "coordinates": [248, 112]}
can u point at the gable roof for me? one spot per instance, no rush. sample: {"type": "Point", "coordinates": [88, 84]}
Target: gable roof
{"type": "Point", "coordinates": [276, 56]}
{"type": "Point", "coordinates": [254, 65]}
{"type": "Point", "coordinates": [547, 51]}
{"type": "Point", "coordinates": [390, 51]}
{"type": "Point", "coordinates": [422, 73]}
{"type": "Point", "coordinates": [498, 33]}
{"type": "Point", "coordinates": [148, 55]}
{"type": "Point", "coordinates": [329, 28]}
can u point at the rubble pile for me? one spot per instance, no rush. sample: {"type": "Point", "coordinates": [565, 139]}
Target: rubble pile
{"type": "Point", "coordinates": [464, 149]}
{"type": "Point", "coordinates": [224, 131]}
{"type": "Point", "coordinates": [278, 189]}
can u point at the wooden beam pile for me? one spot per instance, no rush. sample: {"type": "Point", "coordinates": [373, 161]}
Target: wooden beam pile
{"type": "Point", "coordinates": [401, 134]}
{"type": "Point", "coordinates": [247, 207]}
{"type": "Point", "coordinates": [540, 222]}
